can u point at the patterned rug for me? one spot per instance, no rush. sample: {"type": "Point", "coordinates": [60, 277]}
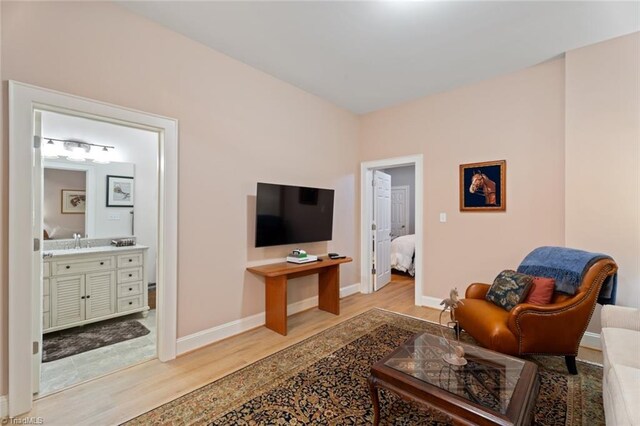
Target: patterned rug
{"type": "Point", "coordinates": [323, 381]}
{"type": "Point", "coordinates": [72, 341]}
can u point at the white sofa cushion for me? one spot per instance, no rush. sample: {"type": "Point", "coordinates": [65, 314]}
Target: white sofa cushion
{"type": "Point", "coordinates": [622, 396]}
{"type": "Point", "coordinates": [620, 346]}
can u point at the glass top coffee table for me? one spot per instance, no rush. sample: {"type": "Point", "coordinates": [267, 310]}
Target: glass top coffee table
{"type": "Point", "coordinates": [492, 388]}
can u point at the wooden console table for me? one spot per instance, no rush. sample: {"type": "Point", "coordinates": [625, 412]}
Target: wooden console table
{"type": "Point", "coordinates": [276, 276]}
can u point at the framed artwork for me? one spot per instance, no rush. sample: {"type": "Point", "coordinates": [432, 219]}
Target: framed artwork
{"type": "Point", "coordinates": [119, 191]}
{"type": "Point", "coordinates": [483, 186]}
{"type": "Point", "coordinates": [74, 201]}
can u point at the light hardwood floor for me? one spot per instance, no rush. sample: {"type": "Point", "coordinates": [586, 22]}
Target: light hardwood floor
{"type": "Point", "coordinates": [123, 395]}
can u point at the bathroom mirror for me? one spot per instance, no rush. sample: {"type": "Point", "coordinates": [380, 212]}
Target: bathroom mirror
{"type": "Point", "coordinates": [92, 199]}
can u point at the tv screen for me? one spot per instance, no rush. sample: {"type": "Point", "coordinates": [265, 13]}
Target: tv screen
{"type": "Point", "coordinates": [292, 214]}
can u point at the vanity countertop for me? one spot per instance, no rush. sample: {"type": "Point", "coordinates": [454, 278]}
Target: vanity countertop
{"type": "Point", "coordinates": [90, 250]}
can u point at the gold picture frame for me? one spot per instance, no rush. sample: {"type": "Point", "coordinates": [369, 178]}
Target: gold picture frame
{"type": "Point", "coordinates": [483, 186]}
{"type": "Point", "coordinates": [73, 201]}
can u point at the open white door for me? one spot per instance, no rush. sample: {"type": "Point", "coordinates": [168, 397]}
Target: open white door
{"type": "Point", "coordinates": [399, 210]}
{"type": "Point", "coordinates": [36, 324]}
{"type": "Point", "coordinates": [382, 226]}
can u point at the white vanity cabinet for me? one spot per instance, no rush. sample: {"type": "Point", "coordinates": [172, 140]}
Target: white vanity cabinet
{"type": "Point", "coordinates": [91, 286]}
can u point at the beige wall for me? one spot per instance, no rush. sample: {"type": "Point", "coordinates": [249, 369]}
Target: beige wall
{"type": "Point", "coordinates": [518, 117]}
{"type": "Point", "coordinates": [602, 157]}
{"type": "Point", "coordinates": [237, 126]}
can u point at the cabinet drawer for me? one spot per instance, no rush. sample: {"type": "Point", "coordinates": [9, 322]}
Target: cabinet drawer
{"type": "Point", "coordinates": [45, 304]}
{"type": "Point", "coordinates": [129, 303]}
{"type": "Point", "coordinates": [46, 287]}
{"type": "Point", "coordinates": [129, 275]}
{"type": "Point", "coordinates": [130, 289]}
{"type": "Point", "coordinates": [46, 269]}
{"type": "Point", "coordinates": [46, 321]}
{"type": "Point", "coordinates": [131, 259]}
{"type": "Point", "coordinates": [76, 266]}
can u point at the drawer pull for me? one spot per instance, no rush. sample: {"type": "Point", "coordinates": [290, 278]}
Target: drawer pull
{"type": "Point", "coordinates": [68, 267]}
{"type": "Point", "coordinates": [130, 275]}
{"type": "Point", "coordinates": [130, 260]}
{"type": "Point", "coordinates": [130, 289]}
{"type": "Point", "coordinates": [88, 297]}
{"type": "Point", "coordinates": [81, 297]}
{"type": "Point", "coordinates": [131, 303]}
{"type": "Point", "coordinates": [101, 263]}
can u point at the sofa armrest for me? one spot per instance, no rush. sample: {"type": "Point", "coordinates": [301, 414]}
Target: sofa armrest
{"type": "Point", "coordinates": [542, 320]}
{"type": "Point", "coordinates": [620, 317]}
{"type": "Point", "coordinates": [477, 291]}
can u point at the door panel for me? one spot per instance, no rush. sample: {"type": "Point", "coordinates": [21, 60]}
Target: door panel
{"type": "Point", "coordinates": [382, 220]}
{"type": "Point", "coordinates": [100, 294]}
{"type": "Point", "coordinates": [67, 300]}
{"type": "Point", "coordinates": [36, 261]}
{"type": "Point", "coordinates": [399, 210]}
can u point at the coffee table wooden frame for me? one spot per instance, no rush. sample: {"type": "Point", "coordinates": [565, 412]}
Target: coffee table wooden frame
{"type": "Point", "coordinates": [463, 412]}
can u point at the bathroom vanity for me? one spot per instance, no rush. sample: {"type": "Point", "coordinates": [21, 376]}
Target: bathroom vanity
{"type": "Point", "coordinates": [86, 285]}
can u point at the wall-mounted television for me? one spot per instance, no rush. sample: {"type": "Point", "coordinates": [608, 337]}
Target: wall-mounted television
{"type": "Point", "coordinates": [292, 214]}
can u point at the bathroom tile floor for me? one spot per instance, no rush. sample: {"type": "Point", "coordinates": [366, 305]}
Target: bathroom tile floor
{"type": "Point", "coordinates": [62, 373]}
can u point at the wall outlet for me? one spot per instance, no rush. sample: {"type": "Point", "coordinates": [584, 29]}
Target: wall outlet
{"type": "Point", "coordinates": [114, 216]}
{"type": "Point", "coordinates": [443, 217]}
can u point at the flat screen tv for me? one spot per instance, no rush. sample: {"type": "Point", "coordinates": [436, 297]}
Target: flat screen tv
{"type": "Point", "coordinates": [292, 214]}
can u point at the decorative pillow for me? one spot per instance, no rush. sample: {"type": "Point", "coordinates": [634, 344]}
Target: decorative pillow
{"type": "Point", "coordinates": [509, 288]}
{"type": "Point", "coordinates": [541, 291]}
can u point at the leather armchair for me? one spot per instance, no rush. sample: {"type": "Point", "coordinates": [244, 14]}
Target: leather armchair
{"type": "Point", "coordinates": [554, 329]}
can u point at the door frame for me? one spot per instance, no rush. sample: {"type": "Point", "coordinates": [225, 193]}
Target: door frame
{"type": "Point", "coordinates": [407, 202]}
{"type": "Point", "coordinates": [366, 203]}
{"type": "Point", "coordinates": [23, 100]}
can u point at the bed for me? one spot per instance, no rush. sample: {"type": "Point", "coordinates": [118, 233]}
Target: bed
{"type": "Point", "coordinates": [403, 251]}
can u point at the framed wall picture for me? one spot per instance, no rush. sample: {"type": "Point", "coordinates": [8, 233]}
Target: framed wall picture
{"type": "Point", "coordinates": [483, 186]}
{"type": "Point", "coordinates": [120, 191]}
{"type": "Point", "coordinates": [74, 201]}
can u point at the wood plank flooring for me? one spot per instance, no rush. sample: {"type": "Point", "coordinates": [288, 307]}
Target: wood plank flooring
{"type": "Point", "coordinates": [123, 395]}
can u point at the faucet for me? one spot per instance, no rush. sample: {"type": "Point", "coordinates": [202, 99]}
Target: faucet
{"type": "Point", "coordinates": [76, 239]}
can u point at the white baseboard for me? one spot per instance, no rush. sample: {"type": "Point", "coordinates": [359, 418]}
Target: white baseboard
{"type": "Point", "coordinates": [4, 406]}
{"type": "Point", "coordinates": [212, 335]}
{"type": "Point", "coordinates": [431, 302]}
{"type": "Point", "coordinates": [591, 340]}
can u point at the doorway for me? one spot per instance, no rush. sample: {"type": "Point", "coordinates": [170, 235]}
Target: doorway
{"type": "Point", "coordinates": [375, 246]}
{"type": "Point", "coordinates": [26, 105]}
{"type": "Point", "coordinates": [102, 318]}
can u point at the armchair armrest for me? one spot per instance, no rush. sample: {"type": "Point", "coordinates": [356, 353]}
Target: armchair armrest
{"type": "Point", "coordinates": [548, 328]}
{"type": "Point", "coordinates": [620, 317]}
{"type": "Point", "coordinates": [477, 291]}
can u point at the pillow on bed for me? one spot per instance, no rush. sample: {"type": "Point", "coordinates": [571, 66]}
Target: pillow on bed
{"type": "Point", "coordinates": [509, 289]}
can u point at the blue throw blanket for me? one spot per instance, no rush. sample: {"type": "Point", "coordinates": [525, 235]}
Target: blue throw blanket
{"type": "Point", "coordinates": [568, 266]}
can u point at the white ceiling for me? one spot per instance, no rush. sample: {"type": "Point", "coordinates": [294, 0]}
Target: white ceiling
{"type": "Point", "coordinates": [364, 56]}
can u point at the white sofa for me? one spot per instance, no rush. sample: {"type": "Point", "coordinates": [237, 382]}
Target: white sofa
{"type": "Point", "coordinates": [621, 376]}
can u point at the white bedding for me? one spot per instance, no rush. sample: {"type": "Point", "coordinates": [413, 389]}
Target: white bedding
{"type": "Point", "coordinates": [402, 251]}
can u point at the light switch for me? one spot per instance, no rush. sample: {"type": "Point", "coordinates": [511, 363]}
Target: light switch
{"type": "Point", "coordinates": [443, 217]}
{"type": "Point", "coordinates": [114, 217]}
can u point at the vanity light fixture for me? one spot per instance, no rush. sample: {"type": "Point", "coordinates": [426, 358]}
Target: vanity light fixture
{"type": "Point", "coordinates": [76, 150]}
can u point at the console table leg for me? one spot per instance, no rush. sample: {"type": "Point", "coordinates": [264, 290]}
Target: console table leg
{"type": "Point", "coordinates": [329, 289]}
{"type": "Point", "coordinates": [276, 304]}
{"type": "Point", "coordinates": [373, 390]}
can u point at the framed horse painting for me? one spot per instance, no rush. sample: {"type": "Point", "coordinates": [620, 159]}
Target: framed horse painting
{"type": "Point", "coordinates": [483, 186]}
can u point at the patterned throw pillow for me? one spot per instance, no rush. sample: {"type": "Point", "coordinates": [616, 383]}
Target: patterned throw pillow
{"type": "Point", "coordinates": [509, 288]}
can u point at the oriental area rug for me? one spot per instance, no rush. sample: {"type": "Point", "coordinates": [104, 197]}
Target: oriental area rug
{"type": "Point", "coordinates": [323, 381]}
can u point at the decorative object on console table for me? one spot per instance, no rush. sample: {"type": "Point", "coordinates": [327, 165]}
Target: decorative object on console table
{"type": "Point", "coordinates": [483, 186]}
{"type": "Point", "coordinates": [119, 191]}
{"type": "Point", "coordinates": [455, 354]}
{"type": "Point", "coordinates": [74, 201]}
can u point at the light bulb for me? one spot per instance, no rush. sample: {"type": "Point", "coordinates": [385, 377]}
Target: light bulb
{"type": "Point", "coordinates": [50, 150]}
{"type": "Point", "coordinates": [77, 154]}
{"type": "Point", "coordinates": [102, 156]}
